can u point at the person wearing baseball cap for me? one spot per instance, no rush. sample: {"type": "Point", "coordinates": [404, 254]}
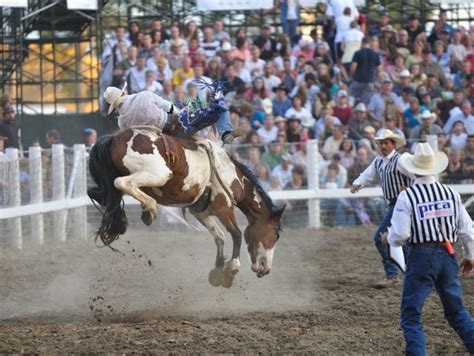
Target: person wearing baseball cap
{"type": "Point", "coordinates": [414, 28]}
{"type": "Point", "coordinates": [430, 217]}
{"type": "Point", "coordinates": [428, 66]}
{"type": "Point", "coordinates": [378, 101]}
{"type": "Point", "coordinates": [393, 179]}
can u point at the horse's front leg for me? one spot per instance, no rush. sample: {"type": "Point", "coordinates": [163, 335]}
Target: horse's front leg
{"type": "Point", "coordinates": [232, 267]}
{"type": "Point", "coordinates": [215, 276]}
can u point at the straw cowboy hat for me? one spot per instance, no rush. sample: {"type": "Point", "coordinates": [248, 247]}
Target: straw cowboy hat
{"type": "Point", "coordinates": [179, 42]}
{"type": "Point", "coordinates": [388, 134]}
{"type": "Point", "coordinates": [360, 107]}
{"type": "Point", "coordinates": [405, 74]}
{"type": "Point", "coordinates": [267, 106]}
{"type": "Point", "coordinates": [426, 114]}
{"type": "Point", "coordinates": [308, 121]}
{"type": "Point", "coordinates": [425, 162]}
{"type": "Point", "coordinates": [111, 95]}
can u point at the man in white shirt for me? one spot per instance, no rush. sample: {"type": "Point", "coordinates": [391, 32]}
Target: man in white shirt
{"type": "Point", "coordinates": [199, 76]}
{"type": "Point", "coordinates": [351, 42]}
{"type": "Point", "coordinates": [110, 43]}
{"type": "Point", "coordinates": [430, 217]}
{"type": "Point", "coordinates": [255, 65]}
{"type": "Point", "coordinates": [268, 132]}
{"type": "Point", "coordinates": [147, 108]}
{"type": "Point", "coordinates": [336, 8]}
{"type": "Point", "coordinates": [283, 170]}
{"type": "Point", "coordinates": [465, 116]}
{"type": "Point", "coordinates": [376, 105]}
{"type": "Point", "coordinates": [270, 80]}
{"type": "Point", "coordinates": [136, 75]}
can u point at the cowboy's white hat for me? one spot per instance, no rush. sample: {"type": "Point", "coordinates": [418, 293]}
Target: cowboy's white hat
{"type": "Point", "coordinates": [111, 95]}
{"type": "Point", "coordinates": [388, 134]}
{"type": "Point", "coordinates": [425, 162]}
{"type": "Point", "coordinates": [405, 73]}
{"type": "Point", "coordinates": [426, 114]}
{"type": "Point", "coordinates": [267, 106]}
{"type": "Point", "coordinates": [360, 107]}
{"type": "Point", "coordinates": [308, 121]}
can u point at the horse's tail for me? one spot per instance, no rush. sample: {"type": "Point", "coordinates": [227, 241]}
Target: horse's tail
{"type": "Point", "coordinates": [106, 198]}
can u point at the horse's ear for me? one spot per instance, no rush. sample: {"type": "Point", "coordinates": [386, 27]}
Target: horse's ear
{"type": "Point", "coordinates": [279, 212]}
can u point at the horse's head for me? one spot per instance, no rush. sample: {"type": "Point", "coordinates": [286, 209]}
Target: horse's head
{"type": "Point", "coordinates": [261, 237]}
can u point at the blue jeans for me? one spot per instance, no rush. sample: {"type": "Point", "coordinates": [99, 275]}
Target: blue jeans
{"type": "Point", "coordinates": [223, 123]}
{"type": "Point", "coordinates": [391, 269]}
{"type": "Point", "coordinates": [428, 267]}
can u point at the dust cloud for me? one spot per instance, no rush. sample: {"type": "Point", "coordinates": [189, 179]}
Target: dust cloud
{"type": "Point", "coordinates": [154, 274]}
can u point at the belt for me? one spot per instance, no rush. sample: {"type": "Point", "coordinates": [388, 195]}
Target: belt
{"type": "Point", "coordinates": [427, 244]}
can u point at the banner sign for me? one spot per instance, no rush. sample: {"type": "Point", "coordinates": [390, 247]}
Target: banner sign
{"type": "Point", "coordinates": [13, 3]}
{"type": "Point", "coordinates": [312, 3]}
{"type": "Point", "coordinates": [82, 4]}
{"type": "Point", "coordinates": [448, 1]}
{"type": "Point", "coordinates": [225, 5]}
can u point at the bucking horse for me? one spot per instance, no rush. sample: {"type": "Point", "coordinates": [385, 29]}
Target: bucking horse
{"type": "Point", "coordinates": [200, 176]}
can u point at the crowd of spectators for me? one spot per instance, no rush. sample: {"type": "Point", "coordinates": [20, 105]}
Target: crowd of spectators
{"type": "Point", "coordinates": [342, 86]}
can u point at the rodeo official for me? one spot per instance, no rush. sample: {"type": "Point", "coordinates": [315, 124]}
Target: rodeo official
{"type": "Point", "coordinates": [393, 180]}
{"type": "Point", "coordinates": [430, 217]}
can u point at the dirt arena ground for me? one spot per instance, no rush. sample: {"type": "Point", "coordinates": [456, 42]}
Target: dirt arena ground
{"type": "Point", "coordinates": [154, 296]}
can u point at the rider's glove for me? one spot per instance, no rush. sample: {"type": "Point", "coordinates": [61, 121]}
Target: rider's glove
{"type": "Point", "coordinates": [175, 110]}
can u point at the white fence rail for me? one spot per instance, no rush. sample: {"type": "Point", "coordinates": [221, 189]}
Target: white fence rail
{"type": "Point", "coordinates": [69, 208]}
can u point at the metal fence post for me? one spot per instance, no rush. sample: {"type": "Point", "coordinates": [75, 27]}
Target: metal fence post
{"type": "Point", "coordinates": [14, 197]}
{"type": "Point", "coordinates": [59, 191]}
{"type": "Point", "coordinates": [313, 183]}
{"type": "Point", "coordinates": [36, 193]}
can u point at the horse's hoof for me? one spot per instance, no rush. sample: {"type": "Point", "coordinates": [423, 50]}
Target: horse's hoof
{"type": "Point", "coordinates": [215, 277]}
{"type": "Point", "coordinates": [232, 267]}
{"type": "Point", "coordinates": [147, 218]}
{"type": "Point", "coordinates": [227, 280]}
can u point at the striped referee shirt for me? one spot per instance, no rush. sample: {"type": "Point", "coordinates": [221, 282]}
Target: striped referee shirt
{"type": "Point", "coordinates": [429, 211]}
{"type": "Point", "coordinates": [391, 175]}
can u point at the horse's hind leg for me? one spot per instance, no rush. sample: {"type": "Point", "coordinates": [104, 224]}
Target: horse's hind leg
{"type": "Point", "coordinates": [215, 276]}
{"type": "Point", "coordinates": [131, 185]}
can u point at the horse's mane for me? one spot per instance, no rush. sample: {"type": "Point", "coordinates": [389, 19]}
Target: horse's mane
{"type": "Point", "coordinates": [247, 172]}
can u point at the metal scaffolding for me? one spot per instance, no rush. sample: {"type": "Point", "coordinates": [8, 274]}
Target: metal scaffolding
{"type": "Point", "coordinates": [49, 55]}
{"type": "Point", "coordinates": [49, 58]}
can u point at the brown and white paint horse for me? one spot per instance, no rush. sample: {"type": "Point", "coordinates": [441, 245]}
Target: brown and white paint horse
{"type": "Point", "coordinates": [156, 168]}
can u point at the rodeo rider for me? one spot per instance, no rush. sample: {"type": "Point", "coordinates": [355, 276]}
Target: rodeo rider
{"type": "Point", "coordinates": [393, 179]}
{"type": "Point", "coordinates": [426, 216]}
{"type": "Point", "coordinates": [147, 108]}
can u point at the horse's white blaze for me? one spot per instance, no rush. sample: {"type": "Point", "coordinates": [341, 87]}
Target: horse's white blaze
{"type": "Point", "coordinates": [199, 170]}
{"type": "Point", "coordinates": [226, 171]}
{"type": "Point", "coordinates": [152, 164]}
{"type": "Point", "coordinates": [269, 256]}
{"type": "Point", "coordinates": [264, 259]}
